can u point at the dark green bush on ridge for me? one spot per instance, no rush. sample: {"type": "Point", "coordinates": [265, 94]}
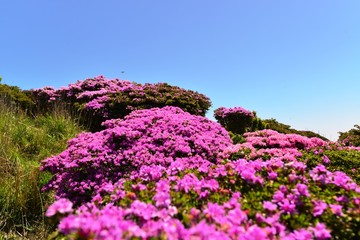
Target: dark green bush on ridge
{"type": "Point", "coordinates": [17, 96]}
{"type": "Point", "coordinates": [157, 95]}
{"type": "Point", "coordinates": [283, 128]}
{"type": "Point", "coordinates": [239, 121]}
{"type": "Point", "coordinates": [102, 99]}
{"type": "Point", "coordinates": [236, 120]}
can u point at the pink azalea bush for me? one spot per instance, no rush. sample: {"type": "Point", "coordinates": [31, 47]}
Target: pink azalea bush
{"type": "Point", "coordinates": [166, 174]}
{"type": "Point", "coordinates": [104, 99]}
{"type": "Point", "coordinates": [156, 137]}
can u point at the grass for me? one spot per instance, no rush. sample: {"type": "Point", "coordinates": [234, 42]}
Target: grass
{"type": "Point", "coordinates": [25, 141]}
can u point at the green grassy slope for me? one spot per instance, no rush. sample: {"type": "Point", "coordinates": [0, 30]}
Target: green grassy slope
{"type": "Point", "coordinates": [25, 141]}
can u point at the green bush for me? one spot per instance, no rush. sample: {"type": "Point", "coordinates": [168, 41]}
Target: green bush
{"type": "Point", "coordinates": [273, 124]}
{"type": "Point", "coordinates": [237, 120]}
{"type": "Point", "coordinates": [15, 95]}
{"type": "Point", "coordinates": [347, 161]}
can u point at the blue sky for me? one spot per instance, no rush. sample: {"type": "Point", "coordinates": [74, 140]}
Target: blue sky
{"type": "Point", "coordinates": [295, 61]}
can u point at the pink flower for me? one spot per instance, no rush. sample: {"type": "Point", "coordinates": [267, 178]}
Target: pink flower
{"type": "Point", "coordinates": [320, 231]}
{"type": "Point", "coordinates": [301, 234]}
{"type": "Point", "coordinates": [216, 212]}
{"type": "Point", "coordinates": [255, 232]}
{"type": "Point", "coordinates": [269, 206]}
{"type": "Point", "coordinates": [61, 206]}
{"type": "Point", "coordinates": [272, 175]}
{"type": "Point", "coordinates": [278, 196]}
{"type": "Point", "coordinates": [336, 209]}
{"type": "Point", "coordinates": [342, 199]}
{"type": "Point", "coordinates": [326, 160]}
{"type": "Point", "coordinates": [162, 196]}
{"type": "Point", "coordinates": [287, 206]}
{"type": "Point", "coordinates": [302, 189]}
{"type": "Point", "coordinates": [319, 208]}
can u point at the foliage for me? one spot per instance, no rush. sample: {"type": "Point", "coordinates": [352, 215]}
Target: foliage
{"type": "Point", "coordinates": [164, 173]}
{"type": "Point", "coordinates": [351, 137]}
{"type": "Point", "coordinates": [14, 95]}
{"type": "Point", "coordinates": [239, 121]}
{"type": "Point", "coordinates": [237, 138]}
{"type": "Point", "coordinates": [158, 136]}
{"type": "Point", "coordinates": [265, 188]}
{"type": "Point", "coordinates": [283, 128]}
{"type": "Point", "coordinates": [236, 120]}
{"type": "Point", "coordinates": [337, 159]}
{"type": "Point", "coordinates": [257, 124]}
{"type": "Point", "coordinates": [24, 142]}
{"type": "Point", "coordinates": [104, 99]}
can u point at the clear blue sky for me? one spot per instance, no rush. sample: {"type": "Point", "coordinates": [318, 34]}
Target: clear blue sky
{"type": "Point", "coordinates": [296, 61]}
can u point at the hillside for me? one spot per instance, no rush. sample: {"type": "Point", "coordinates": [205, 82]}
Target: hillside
{"type": "Point", "coordinates": [142, 162]}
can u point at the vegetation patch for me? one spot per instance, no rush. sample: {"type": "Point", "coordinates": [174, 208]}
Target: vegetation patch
{"type": "Point", "coordinates": [151, 166]}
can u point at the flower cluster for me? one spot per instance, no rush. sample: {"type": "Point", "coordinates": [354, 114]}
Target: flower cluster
{"type": "Point", "coordinates": [106, 99]}
{"type": "Point", "coordinates": [61, 206]}
{"type": "Point", "coordinates": [163, 137]}
{"type": "Point", "coordinates": [163, 173]}
{"type": "Point", "coordinates": [271, 139]}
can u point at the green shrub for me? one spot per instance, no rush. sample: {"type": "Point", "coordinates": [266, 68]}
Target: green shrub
{"type": "Point", "coordinates": [273, 124]}
{"type": "Point", "coordinates": [16, 96]}
{"type": "Point", "coordinates": [347, 161]}
{"type": "Point", "coordinates": [237, 120]}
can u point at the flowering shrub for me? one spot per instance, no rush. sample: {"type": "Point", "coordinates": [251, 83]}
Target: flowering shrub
{"type": "Point", "coordinates": [237, 120]}
{"type": "Point", "coordinates": [106, 99]}
{"type": "Point", "coordinates": [351, 137]}
{"type": "Point", "coordinates": [158, 174]}
{"type": "Point", "coordinates": [271, 139]}
{"type": "Point", "coordinates": [346, 160]}
{"type": "Point", "coordinates": [283, 128]}
{"type": "Point", "coordinates": [155, 137]}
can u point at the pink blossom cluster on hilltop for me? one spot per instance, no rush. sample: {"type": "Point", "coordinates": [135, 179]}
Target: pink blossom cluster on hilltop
{"type": "Point", "coordinates": [107, 99]}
